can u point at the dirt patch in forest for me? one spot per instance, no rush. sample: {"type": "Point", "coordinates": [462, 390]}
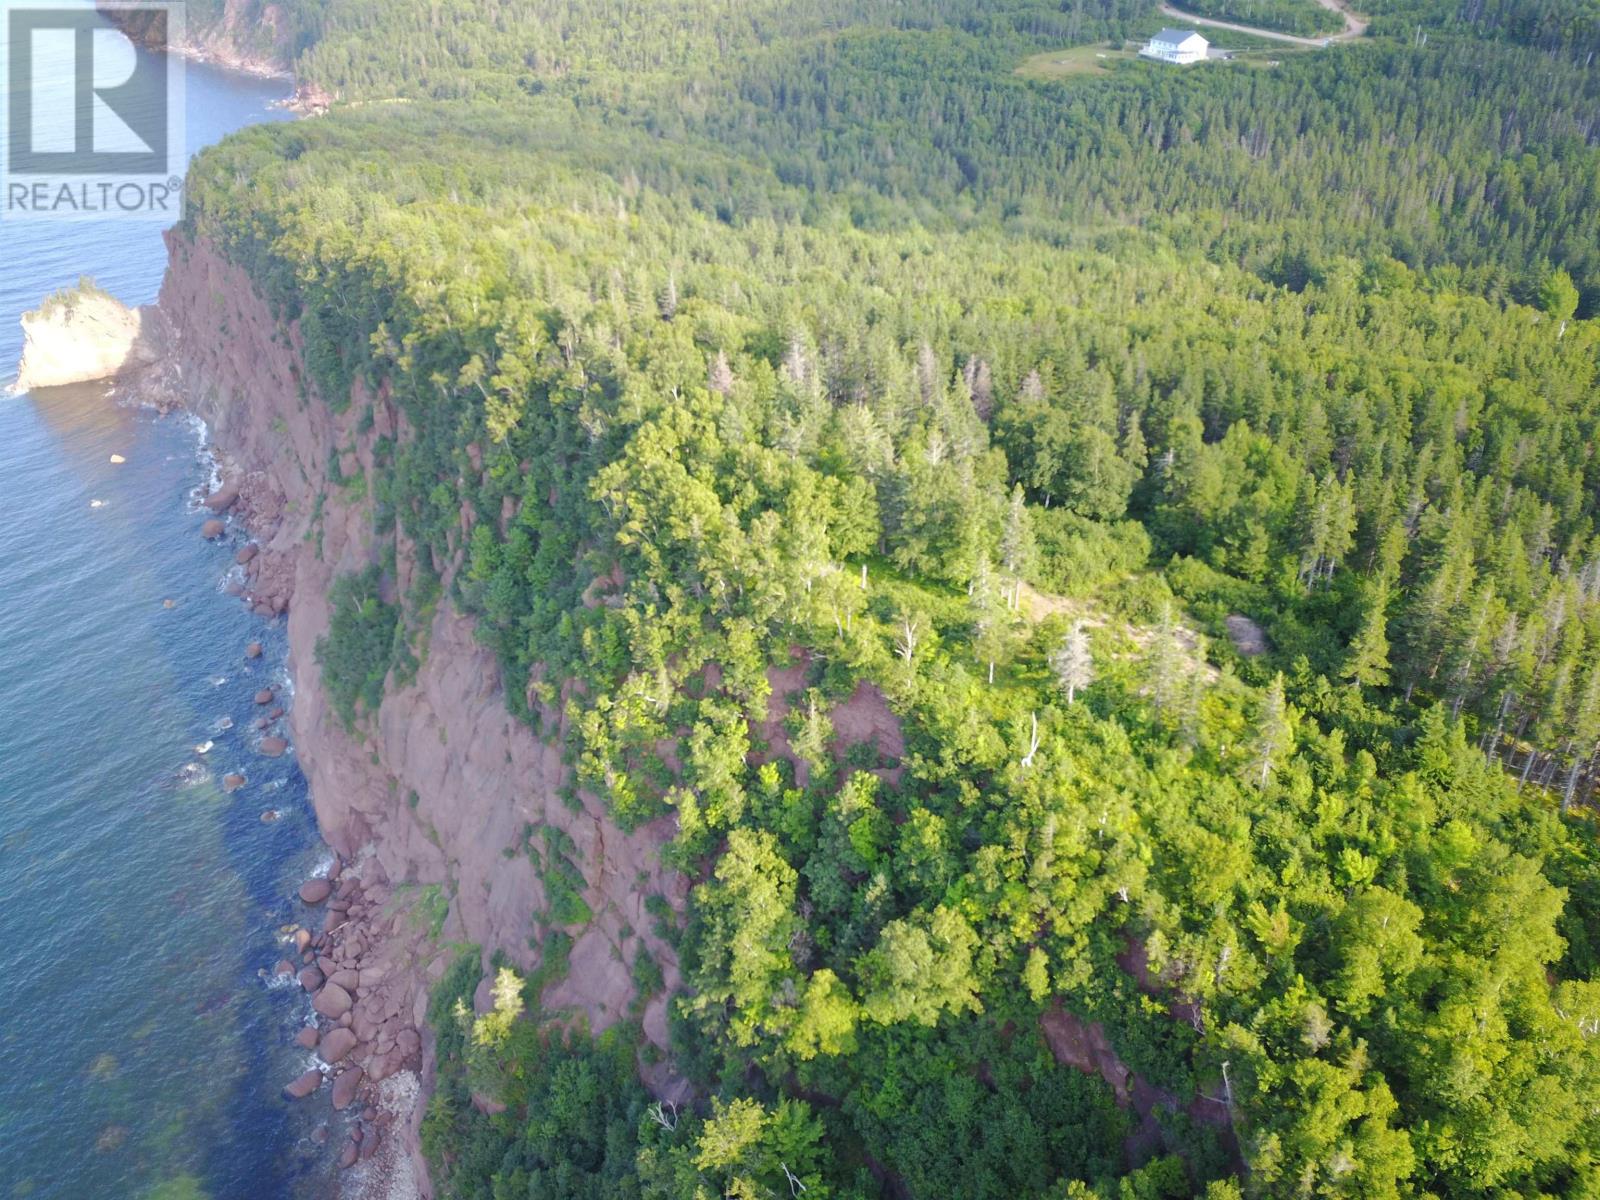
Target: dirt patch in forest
{"type": "Point", "coordinates": [1084, 1046]}
{"type": "Point", "coordinates": [1248, 638]}
{"type": "Point", "coordinates": [786, 683]}
{"type": "Point", "coordinates": [865, 719]}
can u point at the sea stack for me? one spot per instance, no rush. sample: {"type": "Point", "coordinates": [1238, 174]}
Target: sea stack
{"type": "Point", "coordinates": [83, 333]}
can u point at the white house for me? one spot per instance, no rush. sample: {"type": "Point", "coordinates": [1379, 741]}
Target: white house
{"type": "Point", "coordinates": [1181, 46]}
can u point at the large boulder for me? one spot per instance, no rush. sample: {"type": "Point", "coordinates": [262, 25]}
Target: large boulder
{"type": "Point", "coordinates": [264, 696]}
{"type": "Point", "coordinates": [332, 1002]}
{"type": "Point", "coordinates": [253, 650]}
{"type": "Point", "coordinates": [304, 1086]}
{"type": "Point", "coordinates": [336, 1045]}
{"type": "Point", "coordinates": [223, 498]}
{"type": "Point", "coordinates": [273, 747]}
{"type": "Point", "coordinates": [306, 1039]}
{"type": "Point", "coordinates": [315, 891]}
{"type": "Point", "coordinates": [311, 978]}
{"type": "Point", "coordinates": [213, 529]}
{"type": "Point", "coordinates": [345, 1086]}
{"type": "Point", "coordinates": [346, 978]}
{"type": "Point", "coordinates": [386, 1066]}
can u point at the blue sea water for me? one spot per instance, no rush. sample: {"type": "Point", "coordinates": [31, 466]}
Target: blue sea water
{"type": "Point", "coordinates": [141, 1048]}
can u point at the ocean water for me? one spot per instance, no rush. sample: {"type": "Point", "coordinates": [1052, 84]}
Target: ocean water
{"type": "Point", "coordinates": [141, 1047]}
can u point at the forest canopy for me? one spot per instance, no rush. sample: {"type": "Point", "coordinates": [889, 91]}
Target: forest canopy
{"type": "Point", "coordinates": [1195, 469]}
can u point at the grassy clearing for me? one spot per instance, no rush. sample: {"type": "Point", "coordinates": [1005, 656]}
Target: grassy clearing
{"type": "Point", "coordinates": [1097, 59]}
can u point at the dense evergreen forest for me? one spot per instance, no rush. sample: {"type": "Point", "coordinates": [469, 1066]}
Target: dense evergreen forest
{"type": "Point", "coordinates": [1304, 18]}
{"type": "Point", "coordinates": [1199, 464]}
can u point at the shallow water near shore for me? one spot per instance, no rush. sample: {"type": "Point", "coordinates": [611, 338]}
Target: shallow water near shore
{"type": "Point", "coordinates": [142, 1049]}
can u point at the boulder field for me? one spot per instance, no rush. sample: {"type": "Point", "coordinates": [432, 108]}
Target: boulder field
{"type": "Point", "coordinates": [362, 1001]}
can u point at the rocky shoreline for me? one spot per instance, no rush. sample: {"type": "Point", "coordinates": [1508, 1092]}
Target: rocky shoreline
{"type": "Point", "coordinates": [425, 805]}
{"type": "Point", "coordinates": [363, 963]}
{"type": "Point", "coordinates": [220, 44]}
{"type": "Point", "coordinates": [360, 1028]}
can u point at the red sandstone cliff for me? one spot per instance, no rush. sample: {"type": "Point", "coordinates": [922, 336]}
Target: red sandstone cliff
{"type": "Point", "coordinates": [441, 785]}
{"type": "Point", "coordinates": [252, 36]}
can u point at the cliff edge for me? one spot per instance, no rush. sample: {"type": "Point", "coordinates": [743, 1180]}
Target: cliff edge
{"type": "Point", "coordinates": [441, 793]}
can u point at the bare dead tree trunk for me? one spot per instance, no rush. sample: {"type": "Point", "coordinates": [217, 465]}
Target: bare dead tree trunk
{"type": "Point", "coordinates": [1033, 743]}
{"type": "Point", "coordinates": [1572, 784]}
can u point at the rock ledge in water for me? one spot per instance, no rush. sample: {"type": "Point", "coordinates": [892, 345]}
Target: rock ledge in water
{"type": "Point", "coordinates": [303, 1086]}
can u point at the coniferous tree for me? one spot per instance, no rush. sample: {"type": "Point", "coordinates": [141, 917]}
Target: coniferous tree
{"type": "Point", "coordinates": [1271, 738]}
{"type": "Point", "coordinates": [1072, 662]}
{"type": "Point", "coordinates": [1584, 742]}
{"type": "Point", "coordinates": [1164, 661]}
{"type": "Point", "coordinates": [1016, 543]}
{"type": "Point", "coordinates": [988, 616]}
{"type": "Point", "coordinates": [720, 379]}
{"type": "Point", "coordinates": [1367, 664]}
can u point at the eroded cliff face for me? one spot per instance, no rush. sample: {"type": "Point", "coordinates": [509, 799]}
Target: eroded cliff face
{"type": "Point", "coordinates": [441, 786]}
{"type": "Point", "coordinates": [252, 36]}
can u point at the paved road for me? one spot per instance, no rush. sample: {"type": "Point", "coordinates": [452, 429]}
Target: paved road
{"type": "Point", "coordinates": [1353, 26]}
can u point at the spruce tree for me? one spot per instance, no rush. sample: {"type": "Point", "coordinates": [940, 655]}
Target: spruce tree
{"type": "Point", "coordinates": [1072, 663]}
{"type": "Point", "coordinates": [1271, 735]}
{"type": "Point", "coordinates": [1367, 664]}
